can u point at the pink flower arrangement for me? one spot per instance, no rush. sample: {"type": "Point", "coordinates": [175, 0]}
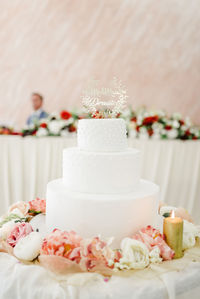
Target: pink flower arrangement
{"type": "Point", "coordinates": [151, 237]}
{"type": "Point", "coordinates": [20, 230]}
{"type": "Point", "coordinates": [37, 205]}
{"type": "Point", "coordinates": [62, 243]}
{"type": "Point", "coordinates": [88, 254]}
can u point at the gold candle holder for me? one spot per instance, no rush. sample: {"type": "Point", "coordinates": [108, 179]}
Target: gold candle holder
{"type": "Point", "coordinates": [173, 231]}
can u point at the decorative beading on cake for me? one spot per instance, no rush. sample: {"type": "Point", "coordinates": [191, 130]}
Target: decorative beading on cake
{"type": "Point", "coordinates": [98, 172]}
{"type": "Point", "coordinates": [102, 135]}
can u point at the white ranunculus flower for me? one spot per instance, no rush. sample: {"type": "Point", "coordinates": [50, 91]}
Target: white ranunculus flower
{"type": "Point", "coordinates": [42, 132]}
{"type": "Point", "coordinates": [64, 133]}
{"type": "Point", "coordinates": [5, 230]}
{"type": "Point", "coordinates": [175, 124]}
{"type": "Point", "coordinates": [55, 126]}
{"type": "Point", "coordinates": [190, 232]}
{"type": "Point", "coordinates": [28, 248]}
{"type": "Point", "coordinates": [172, 134]}
{"type": "Point", "coordinates": [135, 255]}
{"type": "Point", "coordinates": [154, 255]}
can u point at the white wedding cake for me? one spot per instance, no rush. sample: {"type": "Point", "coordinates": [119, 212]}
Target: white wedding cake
{"type": "Point", "coordinates": [101, 192]}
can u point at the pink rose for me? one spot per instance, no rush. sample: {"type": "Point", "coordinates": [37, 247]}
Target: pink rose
{"type": "Point", "coordinates": [20, 205]}
{"type": "Point", "coordinates": [19, 231]}
{"type": "Point", "coordinates": [62, 243]}
{"type": "Point", "coordinates": [38, 205]}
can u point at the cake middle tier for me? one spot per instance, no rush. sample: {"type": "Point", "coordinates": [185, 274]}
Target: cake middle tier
{"type": "Point", "coordinates": [98, 172]}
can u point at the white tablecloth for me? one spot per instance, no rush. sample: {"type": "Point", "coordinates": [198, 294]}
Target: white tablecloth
{"type": "Point", "coordinates": [19, 281]}
{"type": "Point", "coordinates": [27, 164]}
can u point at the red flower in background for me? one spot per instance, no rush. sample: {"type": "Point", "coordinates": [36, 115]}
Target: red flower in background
{"type": "Point", "coordinates": [65, 114]}
{"type": "Point", "coordinates": [181, 122]}
{"type": "Point", "coordinates": [72, 129]}
{"type": "Point", "coordinates": [134, 119]}
{"type": "Point", "coordinates": [150, 120]}
{"type": "Point", "coordinates": [168, 127]}
{"type": "Point", "coordinates": [43, 125]}
{"type": "Point", "coordinates": [150, 131]}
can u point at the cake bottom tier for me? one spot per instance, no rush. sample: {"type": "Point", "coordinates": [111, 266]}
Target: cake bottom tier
{"type": "Point", "coordinates": [112, 215]}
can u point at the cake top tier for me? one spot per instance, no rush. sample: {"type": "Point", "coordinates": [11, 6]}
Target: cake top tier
{"type": "Point", "coordinates": [102, 135]}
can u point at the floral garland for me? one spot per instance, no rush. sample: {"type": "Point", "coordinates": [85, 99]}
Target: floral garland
{"type": "Point", "coordinates": [141, 124]}
{"type": "Point", "coordinates": [21, 235]}
{"type": "Point", "coordinates": [54, 125]}
{"type": "Point", "coordinates": [145, 124]}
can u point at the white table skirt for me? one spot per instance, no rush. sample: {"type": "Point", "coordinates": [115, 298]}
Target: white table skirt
{"type": "Point", "coordinates": [27, 164]}
{"type": "Point", "coordinates": [19, 281]}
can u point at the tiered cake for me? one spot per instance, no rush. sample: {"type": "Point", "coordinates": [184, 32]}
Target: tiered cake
{"type": "Point", "coordinates": [101, 192]}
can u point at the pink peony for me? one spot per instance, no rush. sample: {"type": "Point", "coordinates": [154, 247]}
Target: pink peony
{"type": "Point", "coordinates": [151, 237]}
{"type": "Point", "coordinates": [20, 205]}
{"type": "Point", "coordinates": [62, 243]}
{"type": "Point", "coordinates": [37, 205]}
{"type": "Point", "coordinates": [95, 252]}
{"type": "Point", "coordinates": [20, 230]}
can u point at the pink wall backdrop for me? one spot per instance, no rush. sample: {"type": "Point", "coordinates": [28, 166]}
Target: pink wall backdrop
{"type": "Point", "coordinates": [55, 46]}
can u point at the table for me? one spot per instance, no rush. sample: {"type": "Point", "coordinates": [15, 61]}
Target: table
{"type": "Point", "coordinates": [18, 281]}
{"type": "Point", "coordinates": [27, 164]}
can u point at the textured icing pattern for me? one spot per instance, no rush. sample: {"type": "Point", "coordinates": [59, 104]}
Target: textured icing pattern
{"type": "Point", "coordinates": [97, 172]}
{"type": "Point", "coordinates": [108, 215]}
{"type": "Point", "coordinates": [102, 135]}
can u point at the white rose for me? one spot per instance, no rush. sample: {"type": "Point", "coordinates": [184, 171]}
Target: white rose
{"type": "Point", "coordinates": [154, 256]}
{"type": "Point", "coordinates": [175, 124]}
{"type": "Point", "coordinates": [135, 255]}
{"type": "Point", "coordinates": [190, 232]}
{"type": "Point", "coordinates": [172, 134]}
{"type": "Point", "coordinates": [42, 132]}
{"type": "Point", "coordinates": [5, 230]}
{"type": "Point", "coordinates": [64, 133]}
{"type": "Point", "coordinates": [28, 248]}
{"type": "Point", "coordinates": [55, 126]}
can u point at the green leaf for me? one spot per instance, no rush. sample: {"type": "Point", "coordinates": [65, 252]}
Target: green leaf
{"type": "Point", "coordinates": [34, 212]}
{"type": "Point", "coordinates": [166, 215]}
{"type": "Point", "coordinates": [9, 218]}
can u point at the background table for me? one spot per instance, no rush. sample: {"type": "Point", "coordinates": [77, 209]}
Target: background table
{"type": "Point", "coordinates": [27, 164]}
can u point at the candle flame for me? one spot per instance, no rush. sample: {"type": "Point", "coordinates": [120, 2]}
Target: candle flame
{"type": "Point", "coordinates": [173, 214]}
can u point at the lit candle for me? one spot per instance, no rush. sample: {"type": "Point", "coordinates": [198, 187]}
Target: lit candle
{"type": "Point", "coordinates": [173, 231]}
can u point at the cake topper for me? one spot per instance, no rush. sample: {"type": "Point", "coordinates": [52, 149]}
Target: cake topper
{"type": "Point", "coordinates": [104, 102]}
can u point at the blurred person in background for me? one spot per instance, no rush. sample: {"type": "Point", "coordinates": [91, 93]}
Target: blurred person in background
{"type": "Point", "coordinates": [39, 113]}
